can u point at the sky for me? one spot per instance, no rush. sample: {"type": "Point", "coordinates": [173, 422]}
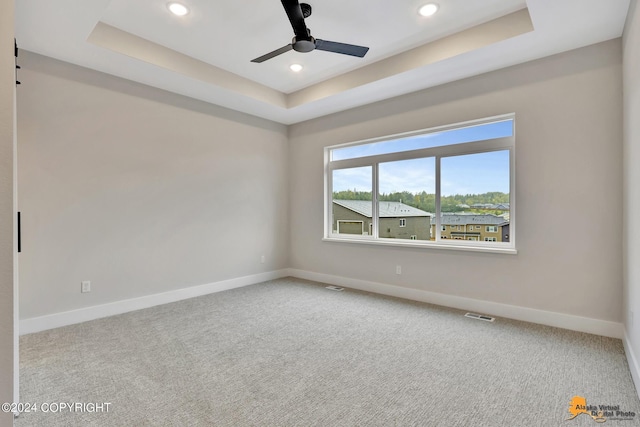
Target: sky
{"type": "Point", "coordinates": [466, 174]}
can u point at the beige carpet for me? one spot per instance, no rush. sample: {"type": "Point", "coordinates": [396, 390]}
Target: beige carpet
{"type": "Point", "coordinates": [292, 353]}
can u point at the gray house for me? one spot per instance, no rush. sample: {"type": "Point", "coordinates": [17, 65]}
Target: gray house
{"type": "Point", "coordinates": [397, 220]}
{"type": "Point", "coordinates": [477, 227]}
{"type": "Point", "coordinates": [489, 206]}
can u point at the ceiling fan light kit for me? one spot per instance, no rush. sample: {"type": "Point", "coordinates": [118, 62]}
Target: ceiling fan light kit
{"type": "Point", "coordinates": [303, 41]}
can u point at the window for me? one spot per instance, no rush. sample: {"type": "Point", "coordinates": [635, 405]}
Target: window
{"type": "Point", "coordinates": [398, 202]}
{"type": "Point", "coordinates": [405, 188]}
{"type": "Point", "coordinates": [350, 207]}
{"type": "Point", "coordinates": [429, 138]}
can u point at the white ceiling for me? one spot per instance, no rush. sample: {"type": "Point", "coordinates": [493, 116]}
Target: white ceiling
{"type": "Point", "coordinates": [206, 54]}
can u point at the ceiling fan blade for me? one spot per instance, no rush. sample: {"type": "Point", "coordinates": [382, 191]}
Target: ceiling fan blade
{"type": "Point", "coordinates": [273, 54]}
{"type": "Point", "coordinates": [343, 48]}
{"type": "Point", "coordinates": [294, 12]}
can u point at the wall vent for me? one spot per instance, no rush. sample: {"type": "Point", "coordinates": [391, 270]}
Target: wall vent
{"type": "Point", "coordinates": [480, 317]}
{"type": "Point", "coordinates": [335, 288]}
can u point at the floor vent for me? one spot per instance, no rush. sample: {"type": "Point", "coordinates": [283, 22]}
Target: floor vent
{"type": "Point", "coordinates": [335, 288]}
{"type": "Point", "coordinates": [480, 317]}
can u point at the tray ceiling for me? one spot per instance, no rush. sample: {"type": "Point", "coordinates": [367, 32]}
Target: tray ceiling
{"type": "Point", "coordinates": [206, 54]}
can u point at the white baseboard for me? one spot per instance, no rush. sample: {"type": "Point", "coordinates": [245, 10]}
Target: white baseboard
{"type": "Point", "coordinates": [56, 320]}
{"type": "Point", "coordinates": [560, 320]}
{"type": "Point", "coordinates": [632, 362]}
{"type": "Point", "coordinates": [549, 318]}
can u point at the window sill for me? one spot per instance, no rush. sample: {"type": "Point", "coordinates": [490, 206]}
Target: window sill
{"type": "Point", "coordinates": [424, 245]}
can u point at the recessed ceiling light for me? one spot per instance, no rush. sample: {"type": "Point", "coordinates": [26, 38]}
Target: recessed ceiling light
{"type": "Point", "coordinates": [178, 9]}
{"type": "Point", "coordinates": [296, 68]}
{"type": "Point", "coordinates": [428, 9]}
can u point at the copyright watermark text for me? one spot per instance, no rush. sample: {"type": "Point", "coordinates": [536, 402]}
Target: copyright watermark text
{"type": "Point", "coordinates": [56, 407]}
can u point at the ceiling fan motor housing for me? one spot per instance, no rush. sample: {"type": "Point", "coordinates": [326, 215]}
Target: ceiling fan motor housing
{"type": "Point", "coordinates": [303, 45]}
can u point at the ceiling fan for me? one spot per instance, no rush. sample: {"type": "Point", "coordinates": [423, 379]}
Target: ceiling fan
{"type": "Point", "coordinates": [303, 41]}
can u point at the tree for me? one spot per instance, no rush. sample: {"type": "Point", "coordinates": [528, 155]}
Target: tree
{"type": "Point", "coordinates": [427, 201]}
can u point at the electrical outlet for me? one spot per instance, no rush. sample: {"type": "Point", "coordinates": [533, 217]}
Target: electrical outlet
{"type": "Point", "coordinates": [398, 269]}
{"type": "Point", "coordinates": [86, 286]}
{"type": "Point", "coordinates": [262, 259]}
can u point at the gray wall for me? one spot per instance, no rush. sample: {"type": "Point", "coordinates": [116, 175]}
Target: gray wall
{"type": "Point", "coordinates": [632, 179]}
{"type": "Point", "coordinates": [139, 191]}
{"type": "Point", "coordinates": [568, 158]}
{"type": "Point", "coordinates": [415, 225]}
{"type": "Point", "coordinates": [7, 84]}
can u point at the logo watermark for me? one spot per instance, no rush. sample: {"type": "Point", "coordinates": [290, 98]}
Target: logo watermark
{"type": "Point", "coordinates": [599, 413]}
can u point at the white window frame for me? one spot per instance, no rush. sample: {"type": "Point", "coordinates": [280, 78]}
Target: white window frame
{"type": "Point", "coordinates": [491, 229]}
{"type": "Point", "coordinates": [403, 222]}
{"type": "Point", "coordinates": [440, 242]}
{"type": "Point", "coordinates": [490, 239]}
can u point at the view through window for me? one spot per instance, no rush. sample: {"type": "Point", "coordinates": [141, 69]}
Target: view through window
{"type": "Point", "coordinates": [435, 187]}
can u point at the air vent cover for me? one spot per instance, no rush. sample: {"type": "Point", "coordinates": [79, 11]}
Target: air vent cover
{"type": "Point", "coordinates": [480, 317]}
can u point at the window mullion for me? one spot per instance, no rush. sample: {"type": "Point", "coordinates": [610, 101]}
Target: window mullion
{"type": "Point", "coordinates": [328, 223]}
{"type": "Point", "coordinates": [374, 200]}
{"type": "Point", "coordinates": [437, 213]}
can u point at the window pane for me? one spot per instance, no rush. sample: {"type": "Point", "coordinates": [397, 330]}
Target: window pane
{"type": "Point", "coordinates": [436, 139]}
{"type": "Point", "coordinates": [352, 203]}
{"type": "Point", "coordinates": [475, 195]}
{"type": "Point", "coordinates": [406, 199]}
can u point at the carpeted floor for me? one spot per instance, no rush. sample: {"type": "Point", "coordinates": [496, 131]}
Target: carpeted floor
{"type": "Point", "coordinates": [292, 353]}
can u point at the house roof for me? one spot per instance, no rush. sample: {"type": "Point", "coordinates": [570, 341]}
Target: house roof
{"type": "Point", "coordinates": [386, 209]}
{"type": "Point", "coordinates": [465, 219]}
{"type": "Point", "coordinates": [499, 206]}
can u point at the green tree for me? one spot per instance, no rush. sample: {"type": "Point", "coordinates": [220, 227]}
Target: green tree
{"type": "Point", "coordinates": [427, 201]}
